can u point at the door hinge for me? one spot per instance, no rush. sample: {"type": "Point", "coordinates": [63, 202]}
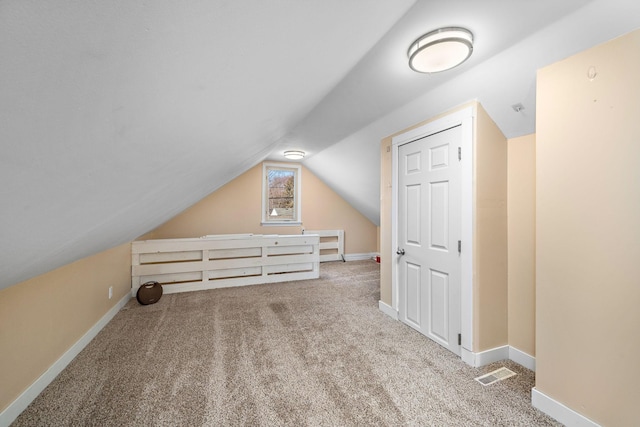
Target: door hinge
{"type": "Point", "coordinates": [459, 153]}
{"type": "Point", "coordinates": [459, 339]}
{"type": "Point", "coordinates": [459, 246]}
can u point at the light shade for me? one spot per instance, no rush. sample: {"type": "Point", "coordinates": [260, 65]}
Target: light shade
{"type": "Point", "coordinates": [294, 154]}
{"type": "Point", "coordinates": [440, 50]}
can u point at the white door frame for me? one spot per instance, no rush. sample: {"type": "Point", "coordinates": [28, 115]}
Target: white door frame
{"type": "Point", "coordinates": [465, 119]}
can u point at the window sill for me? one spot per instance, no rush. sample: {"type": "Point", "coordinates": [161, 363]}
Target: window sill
{"type": "Point", "coordinates": [281, 223]}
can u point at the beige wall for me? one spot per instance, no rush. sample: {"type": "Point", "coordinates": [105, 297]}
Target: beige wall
{"type": "Point", "coordinates": [49, 313]}
{"type": "Point", "coordinates": [588, 232]}
{"type": "Point", "coordinates": [490, 217]}
{"type": "Point", "coordinates": [490, 235]}
{"type": "Point", "coordinates": [521, 211]}
{"type": "Point", "coordinates": [236, 208]}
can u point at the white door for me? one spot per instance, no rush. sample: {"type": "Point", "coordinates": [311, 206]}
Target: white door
{"type": "Point", "coordinates": [429, 222]}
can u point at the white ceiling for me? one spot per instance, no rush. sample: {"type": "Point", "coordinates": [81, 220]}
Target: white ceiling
{"type": "Point", "coordinates": [115, 116]}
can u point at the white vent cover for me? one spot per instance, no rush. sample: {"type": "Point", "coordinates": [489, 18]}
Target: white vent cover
{"type": "Point", "coordinates": [495, 376]}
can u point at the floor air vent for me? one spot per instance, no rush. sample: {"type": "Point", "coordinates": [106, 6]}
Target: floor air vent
{"type": "Point", "coordinates": [495, 376]}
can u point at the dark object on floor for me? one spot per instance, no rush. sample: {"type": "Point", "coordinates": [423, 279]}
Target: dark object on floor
{"type": "Point", "coordinates": [149, 293]}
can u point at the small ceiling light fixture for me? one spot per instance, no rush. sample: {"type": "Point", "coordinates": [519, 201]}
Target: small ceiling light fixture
{"type": "Point", "coordinates": [440, 50]}
{"type": "Point", "coordinates": [294, 154]}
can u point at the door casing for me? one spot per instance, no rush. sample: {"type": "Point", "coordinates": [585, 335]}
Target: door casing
{"type": "Point", "coordinates": [464, 118]}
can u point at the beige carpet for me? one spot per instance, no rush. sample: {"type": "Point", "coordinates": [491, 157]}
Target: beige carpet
{"type": "Point", "coordinates": [315, 352]}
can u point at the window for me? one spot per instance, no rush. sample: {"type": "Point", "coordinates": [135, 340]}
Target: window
{"type": "Point", "coordinates": [281, 192]}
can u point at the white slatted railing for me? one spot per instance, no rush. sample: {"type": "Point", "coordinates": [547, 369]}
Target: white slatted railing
{"type": "Point", "coordinates": [331, 244]}
{"type": "Point", "coordinates": [219, 261]}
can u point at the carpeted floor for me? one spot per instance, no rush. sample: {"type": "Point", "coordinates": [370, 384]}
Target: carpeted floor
{"type": "Point", "coordinates": [315, 352]}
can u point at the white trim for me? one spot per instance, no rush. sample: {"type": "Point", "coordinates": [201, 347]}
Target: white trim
{"type": "Point", "coordinates": [560, 412]}
{"type": "Point", "coordinates": [522, 358]}
{"type": "Point", "coordinates": [496, 354]}
{"type": "Point", "coordinates": [464, 118]}
{"type": "Point", "coordinates": [388, 310]}
{"type": "Point", "coordinates": [467, 202]}
{"type": "Point", "coordinates": [484, 357]}
{"type": "Point", "coordinates": [395, 292]}
{"type": "Point", "coordinates": [360, 257]}
{"type": "Point", "coordinates": [281, 224]}
{"type": "Point", "coordinates": [20, 404]}
{"type": "Point", "coordinates": [467, 356]}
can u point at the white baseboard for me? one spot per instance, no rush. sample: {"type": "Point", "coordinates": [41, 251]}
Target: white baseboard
{"type": "Point", "coordinates": [388, 310]}
{"type": "Point", "coordinates": [499, 353]}
{"type": "Point", "coordinates": [359, 257]}
{"type": "Point", "coordinates": [560, 412]}
{"type": "Point", "coordinates": [20, 404]}
{"type": "Point", "coordinates": [522, 358]}
{"type": "Point", "coordinates": [467, 357]}
{"type": "Point", "coordinates": [484, 357]}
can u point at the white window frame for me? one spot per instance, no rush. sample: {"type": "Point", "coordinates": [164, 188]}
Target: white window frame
{"type": "Point", "coordinates": [266, 221]}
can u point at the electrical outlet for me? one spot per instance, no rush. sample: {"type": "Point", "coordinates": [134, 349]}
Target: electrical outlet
{"type": "Point", "coordinates": [110, 292]}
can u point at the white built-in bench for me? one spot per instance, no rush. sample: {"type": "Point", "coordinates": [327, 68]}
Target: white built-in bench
{"type": "Point", "coordinates": [226, 260]}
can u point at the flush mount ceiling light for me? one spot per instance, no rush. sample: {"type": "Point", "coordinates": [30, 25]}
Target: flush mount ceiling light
{"type": "Point", "coordinates": [440, 50]}
{"type": "Point", "coordinates": [294, 154]}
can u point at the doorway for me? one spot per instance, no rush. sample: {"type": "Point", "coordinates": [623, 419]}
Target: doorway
{"type": "Point", "coordinates": [432, 230]}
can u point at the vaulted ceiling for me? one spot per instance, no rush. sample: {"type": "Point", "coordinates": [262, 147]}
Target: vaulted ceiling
{"type": "Point", "coordinates": [117, 115]}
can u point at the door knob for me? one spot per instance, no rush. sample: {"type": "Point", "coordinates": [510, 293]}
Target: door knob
{"type": "Point", "coordinates": [400, 251]}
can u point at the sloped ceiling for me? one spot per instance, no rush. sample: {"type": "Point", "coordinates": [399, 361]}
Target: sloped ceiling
{"type": "Point", "coordinates": [115, 116]}
{"type": "Point", "coordinates": [513, 39]}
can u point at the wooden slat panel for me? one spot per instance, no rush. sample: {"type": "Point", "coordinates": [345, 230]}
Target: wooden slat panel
{"type": "Point", "coordinates": [286, 250]}
{"type": "Point", "coordinates": [330, 257]}
{"type": "Point", "coordinates": [183, 267]}
{"type": "Point", "coordinates": [172, 278]}
{"type": "Point", "coordinates": [235, 253]}
{"type": "Point", "coordinates": [264, 261]}
{"type": "Point", "coordinates": [234, 272]}
{"type": "Point", "coordinates": [323, 233]}
{"type": "Point", "coordinates": [181, 245]}
{"type": "Point", "coordinates": [170, 257]}
{"type": "Point", "coordinates": [288, 268]}
{"type": "Point", "coordinates": [242, 281]}
{"type": "Point", "coordinates": [230, 236]}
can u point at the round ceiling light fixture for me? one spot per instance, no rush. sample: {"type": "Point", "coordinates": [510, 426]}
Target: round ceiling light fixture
{"type": "Point", "coordinates": [294, 154]}
{"type": "Point", "coordinates": [440, 50]}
